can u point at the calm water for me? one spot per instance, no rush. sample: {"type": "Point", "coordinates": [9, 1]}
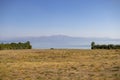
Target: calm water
{"type": "Point", "coordinates": [48, 46]}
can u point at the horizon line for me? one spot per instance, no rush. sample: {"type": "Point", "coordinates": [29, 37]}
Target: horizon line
{"type": "Point", "coordinates": [56, 36]}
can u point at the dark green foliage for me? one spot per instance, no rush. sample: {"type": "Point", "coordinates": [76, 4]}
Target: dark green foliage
{"type": "Point", "coordinates": [51, 48]}
{"type": "Point", "coordinates": [109, 46]}
{"type": "Point", "coordinates": [92, 45]}
{"type": "Point", "coordinates": [19, 45]}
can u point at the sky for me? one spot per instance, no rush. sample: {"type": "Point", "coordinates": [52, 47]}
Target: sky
{"type": "Point", "coordinates": [77, 18]}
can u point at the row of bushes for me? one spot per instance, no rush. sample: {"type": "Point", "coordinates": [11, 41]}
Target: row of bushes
{"type": "Point", "coordinates": [109, 46]}
{"type": "Point", "coordinates": [19, 45]}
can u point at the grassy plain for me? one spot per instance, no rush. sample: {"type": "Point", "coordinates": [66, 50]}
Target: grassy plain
{"type": "Point", "coordinates": [60, 64]}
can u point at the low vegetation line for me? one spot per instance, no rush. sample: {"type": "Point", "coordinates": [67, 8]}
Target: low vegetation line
{"type": "Point", "coordinates": [14, 46]}
{"type": "Point", "coordinates": [109, 46]}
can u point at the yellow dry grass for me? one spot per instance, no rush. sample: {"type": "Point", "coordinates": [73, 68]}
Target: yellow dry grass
{"type": "Point", "coordinates": [60, 64]}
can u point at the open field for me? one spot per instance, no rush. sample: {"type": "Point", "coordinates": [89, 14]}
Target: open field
{"type": "Point", "coordinates": [60, 64]}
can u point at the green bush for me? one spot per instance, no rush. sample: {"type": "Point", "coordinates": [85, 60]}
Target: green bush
{"type": "Point", "coordinates": [19, 45]}
{"type": "Point", "coordinates": [109, 46]}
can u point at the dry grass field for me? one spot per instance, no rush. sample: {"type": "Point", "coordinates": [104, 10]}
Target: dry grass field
{"type": "Point", "coordinates": [60, 64]}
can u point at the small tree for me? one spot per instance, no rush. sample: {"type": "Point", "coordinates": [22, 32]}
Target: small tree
{"type": "Point", "coordinates": [28, 46]}
{"type": "Point", "coordinates": [92, 45]}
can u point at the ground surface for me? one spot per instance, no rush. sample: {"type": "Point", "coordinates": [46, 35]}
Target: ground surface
{"type": "Point", "coordinates": [60, 64]}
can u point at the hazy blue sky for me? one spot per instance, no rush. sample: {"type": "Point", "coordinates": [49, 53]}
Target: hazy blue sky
{"type": "Point", "coordinates": [84, 18]}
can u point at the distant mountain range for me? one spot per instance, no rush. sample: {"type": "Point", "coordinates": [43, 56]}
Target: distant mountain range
{"type": "Point", "coordinates": [62, 41]}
